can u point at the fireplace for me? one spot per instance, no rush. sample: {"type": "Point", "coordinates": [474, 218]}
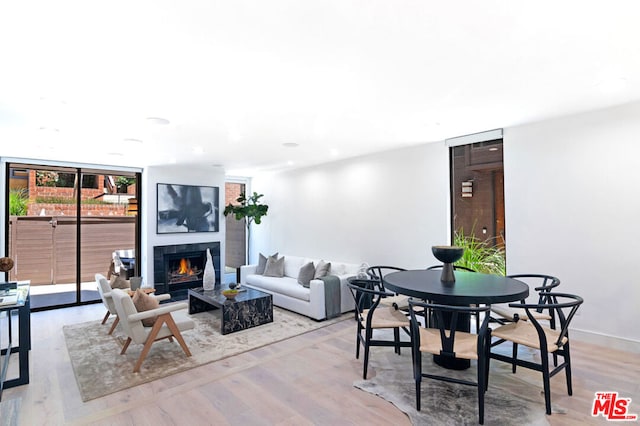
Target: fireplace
{"type": "Point", "coordinates": [184, 267]}
{"type": "Point", "coordinates": [179, 267]}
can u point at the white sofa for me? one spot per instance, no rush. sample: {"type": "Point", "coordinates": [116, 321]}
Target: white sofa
{"type": "Point", "coordinates": [289, 294]}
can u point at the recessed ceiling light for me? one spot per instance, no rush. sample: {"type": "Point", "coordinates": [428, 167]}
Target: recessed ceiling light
{"type": "Point", "coordinates": [290, 144]}
{"type": "Point", "coordinates": [157, 120]}
{"type": "Point", "coordinates": [334, 152]}
{"type": "Point", "coordinates": [289, 163]}
{"type": "Point", "coordinates": [198, 150]}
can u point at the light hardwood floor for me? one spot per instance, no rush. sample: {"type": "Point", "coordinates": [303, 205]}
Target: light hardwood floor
{"type": "Point", "coordinates": [304, 380]}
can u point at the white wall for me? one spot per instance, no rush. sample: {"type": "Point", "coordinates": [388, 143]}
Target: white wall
{"type": "Point", "coordinates": [386, 208]}
{"type": "Point", "coordinates": [572, 211]}
{"type": "Point", "coordinates": [151, 176]}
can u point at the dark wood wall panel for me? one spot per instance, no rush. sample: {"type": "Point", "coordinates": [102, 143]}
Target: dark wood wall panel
{"type": "Point", "coordinates": [483, 212]}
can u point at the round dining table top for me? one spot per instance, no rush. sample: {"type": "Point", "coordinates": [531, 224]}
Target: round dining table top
{"type": "Point", "coordinates": [468, 288]}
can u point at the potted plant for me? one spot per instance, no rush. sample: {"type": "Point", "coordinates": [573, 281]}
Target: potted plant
{"type": "Point", "coordinates": [250, 209]}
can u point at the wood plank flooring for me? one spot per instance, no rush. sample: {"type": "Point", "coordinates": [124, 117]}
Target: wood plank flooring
{"type": "Point", "coordinates": [306, 380]}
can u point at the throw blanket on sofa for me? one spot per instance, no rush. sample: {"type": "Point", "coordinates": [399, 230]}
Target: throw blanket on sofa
{"type": "Point", "coordinates": [331, 296]}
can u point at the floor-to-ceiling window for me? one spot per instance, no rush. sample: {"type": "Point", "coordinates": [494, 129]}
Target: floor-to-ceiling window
{"type": "Point", "coordinates": [64, 223]}
{"type": "Point", "coordinates": [477, 204]}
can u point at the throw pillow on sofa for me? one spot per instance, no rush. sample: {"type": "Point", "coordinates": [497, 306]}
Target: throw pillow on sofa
{"type": "Point", "coordinates": [274, 268]}
{"type": "Point", "coordinates": [322, 270]}
{"type": "Point", "coordinates": [307, 273]}
{"type": "Point", "coordinates": [262, 262]}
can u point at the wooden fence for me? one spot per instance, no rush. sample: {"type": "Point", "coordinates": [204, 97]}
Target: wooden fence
{"type": "Point", "coordinates": [44, 247]}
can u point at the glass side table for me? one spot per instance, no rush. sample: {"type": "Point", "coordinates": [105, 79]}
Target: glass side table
{"type": "Point", "coordinates": [22, 308]}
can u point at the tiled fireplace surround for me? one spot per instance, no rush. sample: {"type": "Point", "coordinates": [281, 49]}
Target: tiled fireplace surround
{"type": "Point", "coordinates": [164, 256]}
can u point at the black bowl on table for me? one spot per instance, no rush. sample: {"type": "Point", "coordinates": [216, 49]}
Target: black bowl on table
{"type": "Point", "coordinates": [448, 255]}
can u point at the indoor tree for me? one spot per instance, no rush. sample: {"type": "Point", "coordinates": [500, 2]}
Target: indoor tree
{"type": "Point", "coordinates": [250, 209]}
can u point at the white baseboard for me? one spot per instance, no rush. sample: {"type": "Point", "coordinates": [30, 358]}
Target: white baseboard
{"type": "Point", "coordinates": [618, 343]}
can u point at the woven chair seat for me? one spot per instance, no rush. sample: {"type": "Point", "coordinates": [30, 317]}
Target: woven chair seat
{"type": "Point", "coordinates": [399, 301]}
{"type": "Point", "coordinates": [509, 313]}
{"type": "Point", "coordinates": [465, 345]}
{"type": "Point", "coordinates": [524, 333]}
{"type": "Point", "coordinates": [386, 317]}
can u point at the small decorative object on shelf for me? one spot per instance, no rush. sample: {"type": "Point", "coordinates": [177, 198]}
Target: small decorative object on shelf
{"type": "Point", "coordinates": [209, 276]}
{"type": "Point", "coordinates": [232, 286]}
{"type": "Point", "coordinates": [6, 264]}
{"type": "Point", "coordinates": [448, 255]}
{"type": "Point", "coordinates": [230, 294]}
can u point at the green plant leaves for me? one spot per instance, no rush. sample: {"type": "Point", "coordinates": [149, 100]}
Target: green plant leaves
{"type": "Point", "coordinates": [480, 255]}
{"type": "Point", "coordinates": [18, 201]}
{"type": "Point", "coordinates": [248, 208]}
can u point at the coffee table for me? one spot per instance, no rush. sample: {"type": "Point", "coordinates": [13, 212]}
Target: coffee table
{"type": "Point", "coordinates": [250, 307]}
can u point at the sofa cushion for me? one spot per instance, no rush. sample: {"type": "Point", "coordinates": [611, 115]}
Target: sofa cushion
{"type": "Point", "coordinates": [323, 269]}
{"type": "Point", "coordinates": [292, 266]}
{"type": "Point", "coordinates": [274, 268]}
{"type": "Point", "coordinates": [262, 262]}
{"type": "Point", "coordinates": [307, 273]}
{"type": "Point", "coordinates": [344, 268]}
{"type": "Point", "coordinates": [286, 285]}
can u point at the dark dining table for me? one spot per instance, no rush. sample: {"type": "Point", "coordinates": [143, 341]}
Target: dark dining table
{"type": "Point", "coordinates": [469, 288]}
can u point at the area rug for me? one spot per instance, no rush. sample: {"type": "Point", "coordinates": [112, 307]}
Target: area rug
{"type": "Point", "coordinates": [510, 400]}
{"type": "Point", "coordinates": [100, 369]}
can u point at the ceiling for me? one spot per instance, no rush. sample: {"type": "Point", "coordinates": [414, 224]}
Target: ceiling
{"type": "Point", "coordinates": [241, 81]}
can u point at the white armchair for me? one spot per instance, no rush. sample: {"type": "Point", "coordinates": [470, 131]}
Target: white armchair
{"type": "Point", "coordinates": [165, 326]}
{"type": "Point", "coordinates": [105, 294]}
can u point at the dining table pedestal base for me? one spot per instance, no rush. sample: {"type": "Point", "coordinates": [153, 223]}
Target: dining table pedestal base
{"type": "Point", "coordinates": [464, 324]}
{"type": "Point", "coordinates": [452, 363]}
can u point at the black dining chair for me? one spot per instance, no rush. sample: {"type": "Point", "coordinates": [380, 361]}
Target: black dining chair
{"type": "Point", "coordinates": [534, 335]}
{"type": "Point", "coordinates": [502, 313]}
{"type": "Point", "coordinates": [378, 272]}
{"type": "Point", "coordinates": [542, 284]}
{"type": "Point", "coordinates": [372, 315]}
{"type": "Point", "coordinates": [445, 339]}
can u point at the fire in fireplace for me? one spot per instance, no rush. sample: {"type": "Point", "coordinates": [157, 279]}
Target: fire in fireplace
{"type": "Point", "coordinates": [185, 267]}
{"type": "Point", "coordinates": [181, 266]}
{"type": "Point", "coordinates": [184, 272]}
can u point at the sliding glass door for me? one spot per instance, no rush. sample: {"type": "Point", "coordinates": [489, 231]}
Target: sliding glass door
{"type": "Point", "coordinates": [64, 224]}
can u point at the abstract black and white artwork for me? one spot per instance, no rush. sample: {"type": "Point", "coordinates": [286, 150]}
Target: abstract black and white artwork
{"type": "Point", "coordinates": [187, 208]}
